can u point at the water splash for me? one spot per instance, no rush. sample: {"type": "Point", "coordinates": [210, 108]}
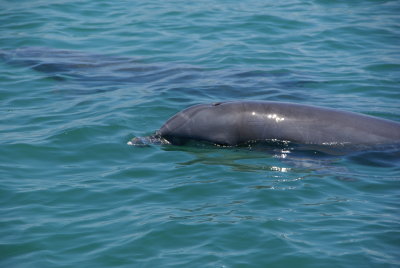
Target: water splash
{"type": "Point", "coordinates": [155, 139]}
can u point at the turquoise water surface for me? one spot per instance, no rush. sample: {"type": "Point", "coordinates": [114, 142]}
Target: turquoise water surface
{"type": "Point", "coordinates": [79, 79]}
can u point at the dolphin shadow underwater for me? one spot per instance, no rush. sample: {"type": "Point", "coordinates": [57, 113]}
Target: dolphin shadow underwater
{"type": "Point", "coordinates": [243, 123]}
{"type": "Point", "coordinates": [88, 69]}
{"type": "Point", "coordinates": [91, 72]}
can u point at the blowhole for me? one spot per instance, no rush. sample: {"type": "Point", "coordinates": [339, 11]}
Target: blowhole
{"type": "Point", "coordinates": [217, 103]}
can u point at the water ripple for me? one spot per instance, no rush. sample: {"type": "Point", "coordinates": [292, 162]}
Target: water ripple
{"type": "Point", "coordinates": [80, 79]}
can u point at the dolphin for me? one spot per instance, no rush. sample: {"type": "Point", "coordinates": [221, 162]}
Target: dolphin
{"type": "Point", "coordinates": [240, 122]}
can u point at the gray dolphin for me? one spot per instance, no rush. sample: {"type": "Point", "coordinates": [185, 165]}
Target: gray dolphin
{"type": "Point", "coordinates": [241, 122]}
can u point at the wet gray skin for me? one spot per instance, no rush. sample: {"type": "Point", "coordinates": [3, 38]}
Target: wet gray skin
{"type": "Point", "coordinates": [235, 123]}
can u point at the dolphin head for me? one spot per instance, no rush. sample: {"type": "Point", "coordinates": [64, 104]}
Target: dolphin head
{"type": "Point", "coordinates": [205, 122]}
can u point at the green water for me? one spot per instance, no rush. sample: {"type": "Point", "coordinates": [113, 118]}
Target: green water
{"type": "Point", "coordinates": [78, 79]}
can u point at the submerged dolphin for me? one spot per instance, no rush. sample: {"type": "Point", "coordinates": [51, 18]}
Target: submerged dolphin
{"type": "Point", "coordinates": [241, 122]}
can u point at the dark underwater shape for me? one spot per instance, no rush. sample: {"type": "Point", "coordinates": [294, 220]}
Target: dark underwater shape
{"type": "Point", "coordinates": [93, 69]}
{"type": "Point", "coordinates": [73, 64]}
{"type": "Point", "coordinates": [241, 122]}
{"type": "Point", "coordinates": [91, 72]}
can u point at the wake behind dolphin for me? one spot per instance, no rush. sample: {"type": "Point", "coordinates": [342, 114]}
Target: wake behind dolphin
{"type": "Point", "coordinates": [240, 122]}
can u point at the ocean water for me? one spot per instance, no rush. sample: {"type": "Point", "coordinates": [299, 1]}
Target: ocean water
{"type": "Point", "coordinates": [79, 79]}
